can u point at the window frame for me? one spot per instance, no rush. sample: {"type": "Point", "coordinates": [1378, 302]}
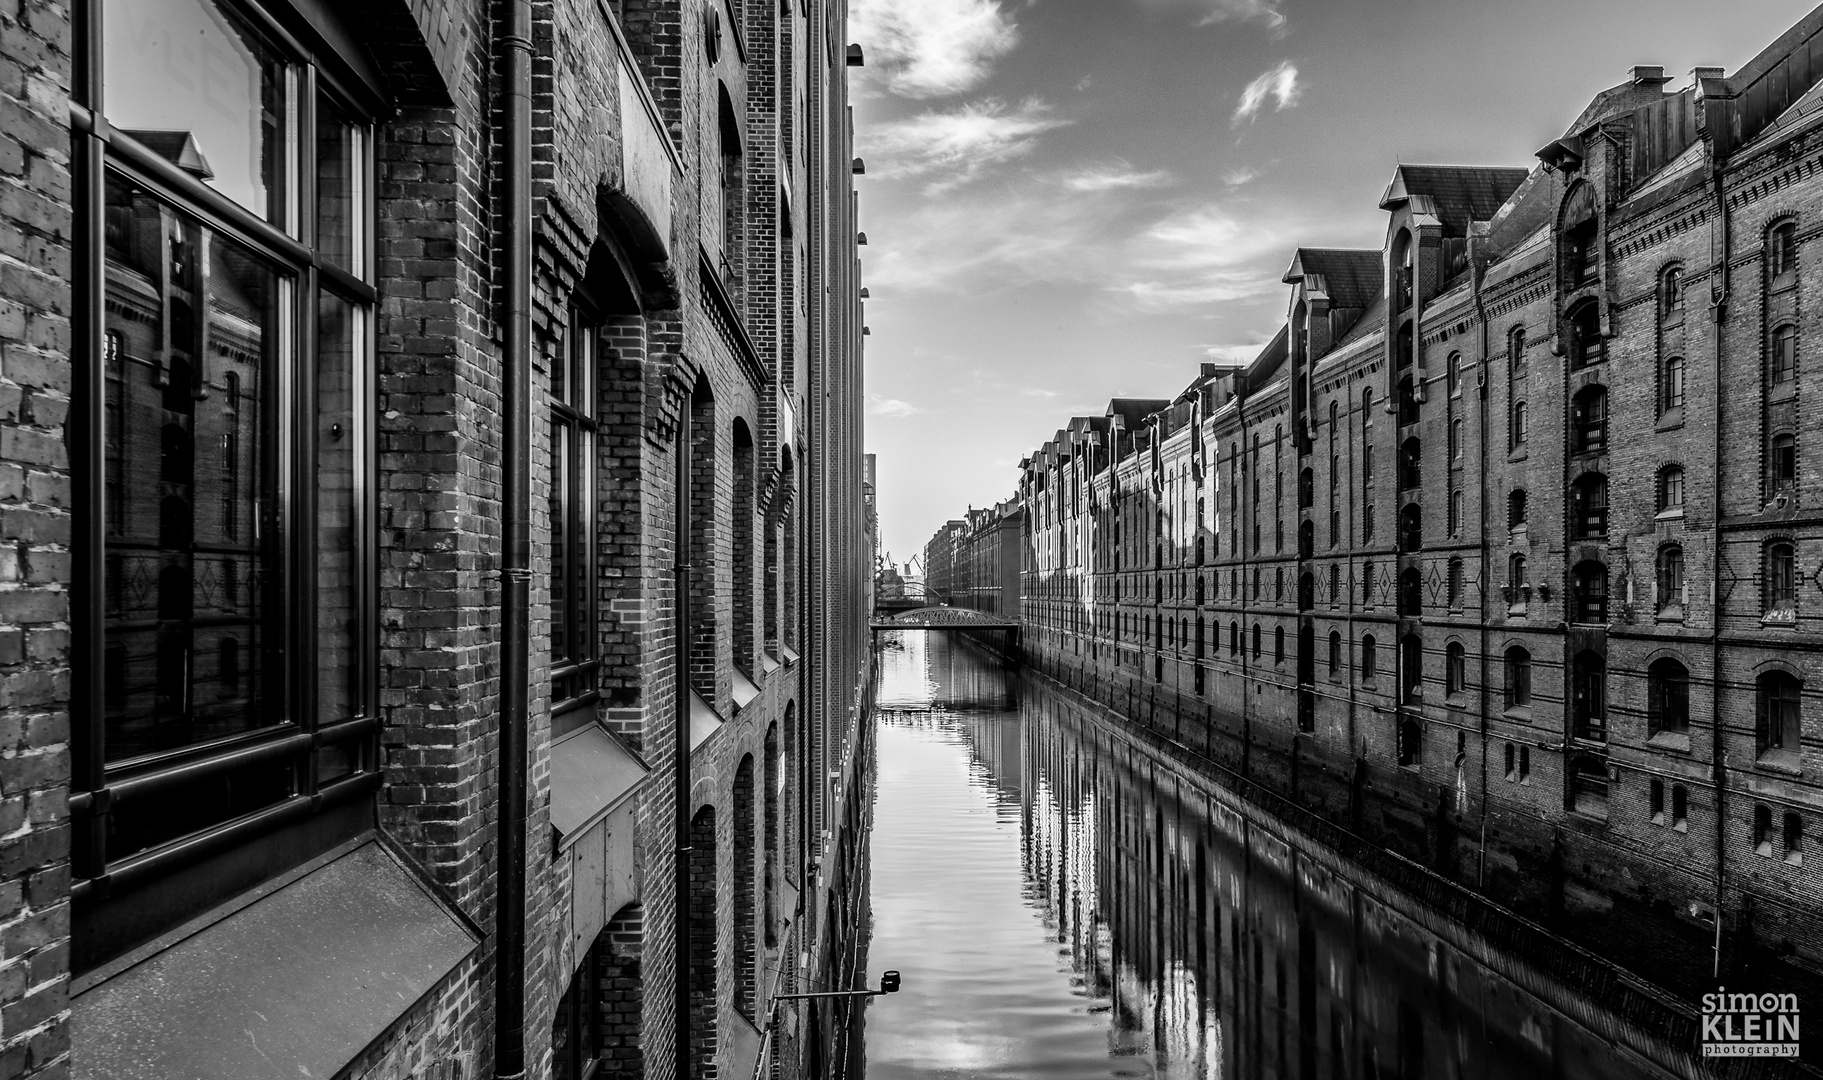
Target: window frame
{"type": "Point", "coordinates": [572, 411]}
{"type": "Point", "coordinates": [113, 912]}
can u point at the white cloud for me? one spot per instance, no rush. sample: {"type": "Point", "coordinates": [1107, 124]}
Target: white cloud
{"type": "Point", "coordinates": [1237, 177]}
{"type": "Point", "coordinates": [929, 48]}
{"type": "Point", "coordinates": [958, 143]}
{"type": "Point", "coordinates": [1280, 84]}
{"type": "Point", "coordinates": [878, 405]}
{"type": "Point", "coordinates": [1234, 354]}
{"type": "Point", "coordinates": [1207, 12]}
{"type": "Point", "coordinates": [1112, 177]}
{"type": "Point", "coordinates": [1204, 255]}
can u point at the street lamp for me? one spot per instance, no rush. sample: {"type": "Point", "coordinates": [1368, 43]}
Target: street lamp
{"type": "Point", "coordinates": [889, 984]}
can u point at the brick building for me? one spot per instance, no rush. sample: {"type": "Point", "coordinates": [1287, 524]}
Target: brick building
{"type": "Point", "coordinates": [1505, 550]}
{"type": "Point", "coordinates": [427, 425]}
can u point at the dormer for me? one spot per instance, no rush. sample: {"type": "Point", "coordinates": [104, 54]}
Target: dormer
{"type": "Point", "coordinates": [1431, 210]}
{"type": "Point", "coordinates": [1330, 289]}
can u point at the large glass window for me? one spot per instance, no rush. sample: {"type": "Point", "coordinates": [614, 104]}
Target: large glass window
{"type": "Point", "coordinates": [1667, 697]}
{"type": "Point", "coordinates": [572, 519]}
{"type": "Point", "coordinates": [1777, 716]}
{"type": "Point", "coordinates": [228, 344]}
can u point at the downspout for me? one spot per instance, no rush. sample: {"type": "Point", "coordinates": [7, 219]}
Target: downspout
{"type": "Point", "coordinates": [516, 548]}
{"type": "Point", "coordinates": [680, 794]}
{"type": "Point", "coordinates": [1718, 305]}
{"type": "Point", "coordinates": [1477, 271]}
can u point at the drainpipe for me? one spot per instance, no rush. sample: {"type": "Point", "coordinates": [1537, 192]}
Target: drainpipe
{"type": "Point", "coordinates": [516, 544]}
{"type": "Point", "coordinates": [680, 651]}
{"type": "Point", "coordinates": [1477, 272]}
{"type": "Point", "coordinates": [1718, 291]}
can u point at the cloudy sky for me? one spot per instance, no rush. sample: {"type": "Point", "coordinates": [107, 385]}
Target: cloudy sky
{"type": "Point", "coordinates": [1070, 200]}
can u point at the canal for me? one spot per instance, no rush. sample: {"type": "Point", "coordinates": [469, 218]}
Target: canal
{"type": "Point", "coordinates": [1065, 899]}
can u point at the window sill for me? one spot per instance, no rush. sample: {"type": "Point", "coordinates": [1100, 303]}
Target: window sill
{"type": "Point", "coordinates": [1671, 420]}
{"type": "Point", "coordinates": [1518, 453]}
{"type": "Point", "coordinates": [1670, 740]}
{"type": "Point", "coordinates": [1786, 762]}
{"type": "Point", "coordinates": [1671, 515]}
{"type": "Point", "coordinates": [1680, 826]}
{"type": "Point", "coordinates": [1658, 818]}
{"type": "Point", "coordinates": [1785, 619]}
{"type": "Point", "coordinates": [1784, 282]}
{"type": "Point", "coordinates": [1672, 615]}
{"type": "Point", "coordinates": [1674, 317]}
{"type": "Point", "coordinates": [1519, 714]}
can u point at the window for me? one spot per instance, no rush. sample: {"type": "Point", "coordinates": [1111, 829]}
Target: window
{"type": "Point", "coordinates": [1411, 668]}
{"type": "Point", "coordinates": [1671, 294]}
{"type": "Point", "coordinates": [1589, 786]}
{"type": "Point", "coordinates": [1586, 344]}
{"type": "Point", "coordinates": [1278, 645]}
{"type": "Point", "coordinates": [1455, 515]}
{"type": "Point", "coordinates": [1667, 698]}
{"type": "Point", "coordinates": [1670, 582]}
{"type": "Point", "coordinates": [1581, 240]}
{"type": "Point", "coordinates": [1589, 585]}
{"type": "Point", "coordinates": [1411, 744]}
{"type": "Point", "coordinates": [1256, 641]}
{"type": "Point", "coordinates": [1367, 584]}
{"type": "Point", "coordinates": [1335, 583]}
{"type": "Point", "coordinates": [1762, 830]}
{"type": "Point", "coordinates": [1234, 639]}
{"type": "Point", "coordinates": [1518, 678]}
{"type": "Point", "coordinates": [1794, 839]}
{"type": "Point", "coordinates": [1671, 489]}
{"type": "Point", "coordinates": [1411, 592]}
{"type": "Point", "coordinates": [1455, 374]}
{"type": "Point", "coordinates": [1655, 801]}
{"type": "Point", "coordinates": [1525, 764]}
{"type": "Point", "coordinates": [1517, 581]}
{"type": "Point", "coordinates": [205, 318]}
{"type": "Point", "coordinates": [1512, 768]}
{"type": "Point", "coordinates": [1784, 359]}
{"type": "Point", "coordinates": [572, 524]}
{"type": "Point", "coordinates": [1782, 250]}
{"type": "Point", "coordinates": [1670, 385]}
{"type": "Point", "coordinates": [1589, 696]}
{"type": "Point", "coordinates": [1522, 423]}
{"type": "Point", "coordinates": [1589, 421]}
{"type": "Point", "coordinates": [1680, 808]}
{"type": "Point", "coordinates": [1408, 395]}
{"type": "Point", "coordinates": [1589, 506]}
{"type": "Point", "coordinates": [1335, 653]}
{"type": "Point", "coordinates": [1782, 467]}
{"type": "Point", "coordinates": [1516, 358]}
{"type": "Point", "coordinates": [1370, 659]}
{"type": "Point", "coordinates": [1411, 527]}
{"type": "Point", "coordinates": [1455, 670]}
{"type": "Point", "coordinates": [1781, 581]}
{"type": "Point", "coordinates": [1516, 508]}
{"type": "Point", "coordinates": [1456, 439]}
{"type": "Point", "coordinates": [1454, 582]}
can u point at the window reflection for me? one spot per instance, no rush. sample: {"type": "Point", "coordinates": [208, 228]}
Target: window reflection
{"type": "Point", "coordinates": [201, 91]}
{"type": "Point", "coordinates": [185, 535]}
{"type": "Point", "coordinates": [341, 338]}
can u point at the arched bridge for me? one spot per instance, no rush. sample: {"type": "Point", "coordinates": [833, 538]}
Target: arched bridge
{"type": "Point", "coordinates": [911, 595]}
{"type": "Point", "coordinates": [943, 618]}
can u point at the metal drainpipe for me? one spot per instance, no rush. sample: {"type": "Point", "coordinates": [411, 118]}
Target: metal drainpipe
{"type": "Point", "coordinates": [1476, 272]}
{"type": "Point", "coordinates": [680, 649]}
{"type": "Point", "coordinates": [1719, 305]}
{"type": "Point", "coordinates": [516, 554]}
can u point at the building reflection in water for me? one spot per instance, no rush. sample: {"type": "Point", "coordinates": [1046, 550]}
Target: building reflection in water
{"type": "Point", "coordinates": [1065, 902]}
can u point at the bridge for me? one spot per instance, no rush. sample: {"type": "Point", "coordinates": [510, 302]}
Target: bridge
{"type": "Point", "coordinates": [942, 618]}
{"type": "Point", "coordinates": [911, 595]}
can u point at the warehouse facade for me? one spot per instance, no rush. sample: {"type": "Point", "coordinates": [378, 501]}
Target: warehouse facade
{"type": "Point", "coordinates": [430, 424]}
{"type": "Point", "coordinates": [1504, 551]}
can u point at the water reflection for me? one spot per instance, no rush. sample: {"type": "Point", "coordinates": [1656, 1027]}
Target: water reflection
{"type": "Point", "coordinates": [1065, 903]}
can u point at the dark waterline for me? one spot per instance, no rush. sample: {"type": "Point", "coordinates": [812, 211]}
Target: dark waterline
{"type": "Point", "coordinates": [1064, 903]}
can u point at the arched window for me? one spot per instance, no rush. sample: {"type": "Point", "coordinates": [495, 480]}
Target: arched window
{"type": "Point", "coordinates": [1335, 653]}
{"type": "Point", "coordinates": [1589, 592]}
{"type": "Point", "coordinates": [1307, 488]}
{"type": "Point", "coordinates": [1455, 515]}
{"type": "Point", "coordinates": [1581, 241]}
{"type": "Point", "coordinates": [1307, 591]}
{"type": "Point", "coordinates": [1516, 358]}
{"type": "Point", "coordinates": [1794, 839]}
{"type": "Point", "coordinates": [1411, 668]}
{"type": "Point", "coordinates": [1456, 439]}
{"type": "Point", "coordinates": [175, 464]}
{"type": "Point", "coordinates": [1367, 584]}
{"type": "Point", "coordinates": [1782, 466]}
{"type": "Point", "coordinates": [1370, 659]}
{"type": "Point", "coordinates": [1411, 592]}
{"type": "Point", "coordinates": [1455, 373]}
{"type": "Point", "coordinates": [1589, 506]}
{"type": "Point", "coordinates": [1784, 359]}
{"type": "Point", "coordinates": [1762, 829]}
{"type": "Point", "coordinates": [1307, 539]}
{"type": "Point", "coordinates": [1455, 669]}
{"type": "Point", "coordinates": [1521, 424]}
{"type": "Point", "coordinates": [1589, 696]}
{"type": "Point", "coordinates": [1586, 344]}
{"type": "Point", "coordinates": [1589, 421]}
{"type": "Point", "coordinates": [1411, 527]}
{"type": "Point", "coordinates": [1512, 768]}
{"type": "Point", "coordinates": [1667, 697]}
{"type": "Point", "coordinates": [1278, 645]}
{"type": "Point", "coordinates": [1410, 454]}
{"type": "Point", "coordinates": [1516, 508]}
{"type": "Point", "coordinates": [1671, 582]}
{"type": "Point", "coordinates": [1670, 385]}
{"type": "Point", "coordinates": [1671, 293]}
{"type": "Point", "coordinates": [1778, 723]}
{"type": "Point", "coordinates": [1257, 641]}
{"type": "Point", "coordinates": [1335, 583]}
{"type": "Point", "coordinates": [1408, 401]}
{"type": "Point", "coordinates": [1781, 580]}
{"type": "Point", "coordinates": [1782, 250]}
{"type": "Point", "coordinates": [1411, 743]}
{"type": "Point", "coordinates": [1455, 582]}
{"type": "Point", "coordinates": [1671, 489]}
{"type": "Point", "coordinates": [1234, 639]}
{"type": "Point", "coordinates": [1516, 575]}
{"type": "Point", "coordinates": [1518, 678]}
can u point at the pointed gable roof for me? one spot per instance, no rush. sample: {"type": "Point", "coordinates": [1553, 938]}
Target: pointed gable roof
{"type": "Point", "coordinates": [1456, 194]}
{"type": "Point", "coordinates": [1350, 277]}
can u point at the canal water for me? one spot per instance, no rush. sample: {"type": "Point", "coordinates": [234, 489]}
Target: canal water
{"type": "Point", "coordinates": [1065, 900]}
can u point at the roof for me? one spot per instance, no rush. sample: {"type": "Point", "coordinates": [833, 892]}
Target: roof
{"type": "Point", "coordinates": [1132, 411]}
{"type": "Point", "coordinates": [1350, 276]}
{"type": "Point", "coordinates": [1459, 193]}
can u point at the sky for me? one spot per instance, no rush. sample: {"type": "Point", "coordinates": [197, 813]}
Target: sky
{"type": "Point", "coordinates": [1071, 200]}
